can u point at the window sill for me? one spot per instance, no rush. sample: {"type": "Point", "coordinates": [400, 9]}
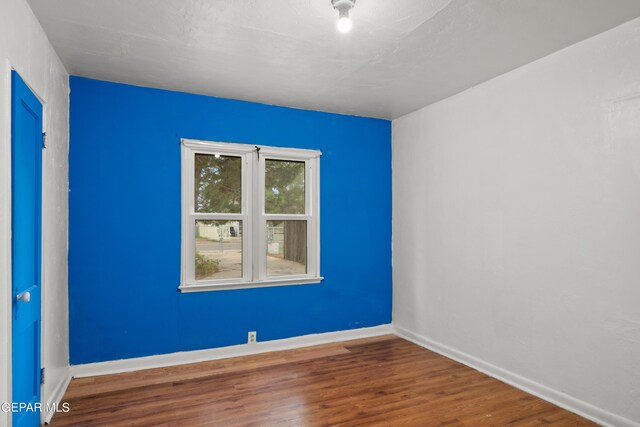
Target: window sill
{"type": "Point", "coordinates": [205, 287]}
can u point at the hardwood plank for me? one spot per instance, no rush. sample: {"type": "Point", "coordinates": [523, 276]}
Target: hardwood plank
{"type": "Point", "coordinates": [381, 381]}
{"type": "Point", "coordinates": [106, 383]}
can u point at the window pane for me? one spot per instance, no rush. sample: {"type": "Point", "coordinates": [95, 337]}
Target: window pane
{"type": "Point", "coordinates": [286, 248]}
{"type": "Point", "coordinates": [284, 187]}
{"type": "Point", "coordinates": [218, 183]}
{"type": "Point", "coordinates": [218, 249]}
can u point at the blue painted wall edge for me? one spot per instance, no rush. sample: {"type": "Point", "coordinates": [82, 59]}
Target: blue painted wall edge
{"type": "Point", "coordinates": [124, 232]}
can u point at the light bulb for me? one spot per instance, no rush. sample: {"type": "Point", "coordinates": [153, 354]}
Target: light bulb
{"type": "Point", "coordinates": [343, 7]}
{"type": "Point", "coordinates": [344, 24]}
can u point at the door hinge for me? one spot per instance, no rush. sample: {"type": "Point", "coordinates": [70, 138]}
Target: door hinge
{"type": "Point", "coordinates": [44, 140]}
{"type": "Point", "coordinates": [42, 376]}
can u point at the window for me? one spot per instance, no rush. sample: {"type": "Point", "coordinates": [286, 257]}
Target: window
{"type": "Point", "coordinates": [250, 217]}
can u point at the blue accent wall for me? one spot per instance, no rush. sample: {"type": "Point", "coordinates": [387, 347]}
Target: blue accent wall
{"type": "Point", "coordinates": [124, 225]}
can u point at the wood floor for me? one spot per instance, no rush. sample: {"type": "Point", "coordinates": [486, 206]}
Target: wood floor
{"type": "Point", "coordinates": [384, 381]}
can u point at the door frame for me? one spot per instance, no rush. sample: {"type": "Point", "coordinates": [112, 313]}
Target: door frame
{"type": "Point", "coordinates": [6, 288]}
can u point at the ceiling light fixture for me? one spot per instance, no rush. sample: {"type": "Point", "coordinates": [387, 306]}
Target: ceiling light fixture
{"type": "Point", "coordinates": [343, 7]}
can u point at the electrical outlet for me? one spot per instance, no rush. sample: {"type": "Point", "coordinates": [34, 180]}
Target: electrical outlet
{"type": "Point", "coordinates": [252, 337]}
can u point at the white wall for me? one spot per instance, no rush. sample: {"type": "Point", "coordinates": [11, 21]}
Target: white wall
{"type": "Point", "coordinates": [517, 226]}
{"type": "Point", "coordinates": [24, 46]}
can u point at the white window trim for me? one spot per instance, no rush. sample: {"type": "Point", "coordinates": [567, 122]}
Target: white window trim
{"type": "Point", "coordinates": [254, 236]}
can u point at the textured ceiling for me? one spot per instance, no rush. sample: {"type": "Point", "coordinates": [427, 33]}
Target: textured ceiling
{"type": "Point", "coordinates": [400, 56]}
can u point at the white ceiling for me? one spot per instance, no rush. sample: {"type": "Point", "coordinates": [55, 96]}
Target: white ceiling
{"type": "Point", "coordinates": [400, 56]}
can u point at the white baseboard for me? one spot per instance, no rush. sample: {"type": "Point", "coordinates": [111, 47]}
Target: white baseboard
{"type": "Point", "coordinates": [56, 396]}
{"type": "Point", "coordinates": [556, 397]}
{"type": "Point", "coordinates": [181, 358]}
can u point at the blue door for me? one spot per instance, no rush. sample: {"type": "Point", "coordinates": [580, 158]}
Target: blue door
{"type": "Point", "coordinates": [26, 196]}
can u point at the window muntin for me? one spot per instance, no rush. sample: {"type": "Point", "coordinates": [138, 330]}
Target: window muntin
{"type": "Point", "coordinates": [249, 218]}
